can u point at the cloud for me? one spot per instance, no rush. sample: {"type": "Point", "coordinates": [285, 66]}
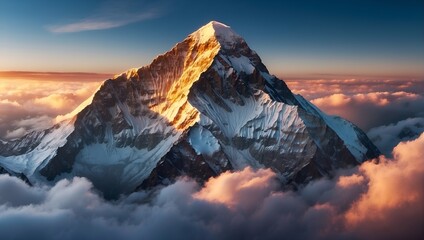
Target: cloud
{"type": "Point", "coordinates": [395, 195]}
{"type": "Point", "coordinates": [246, 184]}
{"type": "Point", "coordinates": [27, 105]}
{"type": "Point", "coordinates": [18, 192]}
{"type": "Point", "coordinates": [335, 100]}
{"type": "Point", "coordinates": [373, 109]}
{"type": "Point", "coordinates": [388, 136]}
{"type": "Point", "coordinates": [7, 103]}
{"type": "Point", "coordinates": [317, 88]}
{"type": "Point", "coordinates": [16, 133]}
{"type": "Point", "coordinates": [378, 200]}
{"type": "Point", "coordinates": [91, 24]}
{"type": "Point", "coordinates": [376, 98]}
{"type": "Point", "coordinates": [368, 103]}
{"type": "Point", "coordinates": [63, 101]}
{"type": "Point", "coordinates": [22, 126]}
{"type": "Point", "coordinates": [109, 16]}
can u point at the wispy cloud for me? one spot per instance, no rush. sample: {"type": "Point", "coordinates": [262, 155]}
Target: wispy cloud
{"type": "Point", "coordinates": [109, 16]}
{"type": "Point", "coordinates": [90, 24]}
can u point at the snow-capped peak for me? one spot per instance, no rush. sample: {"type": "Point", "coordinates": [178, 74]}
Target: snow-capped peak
{"type": "Point", "coordinates": [216, 30]}
{"type": "Point", "coordinates": [208, 105]}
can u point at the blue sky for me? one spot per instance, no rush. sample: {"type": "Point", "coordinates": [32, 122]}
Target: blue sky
{"type": "Point", "coordinates": [293, 38]}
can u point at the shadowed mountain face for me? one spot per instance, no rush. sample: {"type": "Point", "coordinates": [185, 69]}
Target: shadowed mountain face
{"type": "Point", "coordinates": [208, 105]}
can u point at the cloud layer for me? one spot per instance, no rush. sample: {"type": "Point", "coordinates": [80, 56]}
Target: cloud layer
{"type": "Point", "coordinates": [312, 89]}
{"type": "Point", "coordinates": [27, 105]}
{"type": "Point", "coordinates": [367, 103]}
{"type": "Point", "coordinates": [388, 136]}
{"type": "Point", "coordinates": [374, 201]}
{"type": "Point", "coordinates": [373, 109]}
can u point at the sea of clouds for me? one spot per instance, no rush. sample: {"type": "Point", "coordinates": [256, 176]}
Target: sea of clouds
{"type": "Point", "coordinates": [381, 199]}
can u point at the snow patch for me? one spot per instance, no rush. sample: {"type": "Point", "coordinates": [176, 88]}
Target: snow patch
{"type": "Point", "coordinates": [344, 129]}
{"type": "Point", "coordinates": [223, 33]}
{"type": "Point", "coordinates": [27, 163]}
{"type": "Point", "coordinates": [203, 141]}
{"type": "Point", "coordinates": [241, 64]}
{"type": "Point", "coordinates": [116, 170]}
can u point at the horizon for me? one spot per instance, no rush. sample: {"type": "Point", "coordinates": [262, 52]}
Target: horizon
{"type": "Point", "coordinates": [102, 37]}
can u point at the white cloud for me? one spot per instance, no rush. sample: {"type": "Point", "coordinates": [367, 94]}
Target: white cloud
{"type": "Point", "coordinates": [388, 136]}
{"type": "Point", "coordinates": [15, 133]}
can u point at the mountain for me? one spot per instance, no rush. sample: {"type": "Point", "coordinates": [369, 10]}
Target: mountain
{"type": "Point", "coordinates": [206, 106]}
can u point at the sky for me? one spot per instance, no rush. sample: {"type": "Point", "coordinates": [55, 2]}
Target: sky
{"type": "Point", "coordinates": [295, 39]}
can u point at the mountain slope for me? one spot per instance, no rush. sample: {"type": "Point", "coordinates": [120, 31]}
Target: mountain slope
{"type": "Point", "coordinates": [206, 106]}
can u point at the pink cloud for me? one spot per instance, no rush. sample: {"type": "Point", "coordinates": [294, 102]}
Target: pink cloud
{"type": "Point", "coordinates": [317, 88]}
{"type": "Point", "coordinates": [39, 102]}
{"type": "Point", "coordinates": [373, 109]}
{"type": "Point", "coordinates": [334, 100]}
{"type": "Point", "coordinates": [393, 202]}
{"type": "Point", "coordinates": [230, 187]}
{"type": "Point", "coordinates": [375, 98]}
{"type": "Point", "coordinates": [380, 199]}
{"type": "Point", "coordinates": [347, 181]}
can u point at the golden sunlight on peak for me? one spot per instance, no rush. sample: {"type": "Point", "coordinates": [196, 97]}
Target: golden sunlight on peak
{"type": "Point", "coordinates": [168, 79]}
{"type": "Point", "coordinates": [176, 107]}
{"type": "Point", "coordinates": [130, 73]}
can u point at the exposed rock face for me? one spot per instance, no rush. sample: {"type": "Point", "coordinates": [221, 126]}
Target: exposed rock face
{"type": "Point", "coordinates": [184, 160]}
{"type": "Point", "coordinates": [3, 171]}
{"type": "Point", "coordinates": [206, 106]}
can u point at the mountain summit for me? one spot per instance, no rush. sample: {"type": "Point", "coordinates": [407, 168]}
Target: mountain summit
{"type": "Point", "coordinates": [208, 105]}
{"type": "Point", "coordinates": [217, 31]}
